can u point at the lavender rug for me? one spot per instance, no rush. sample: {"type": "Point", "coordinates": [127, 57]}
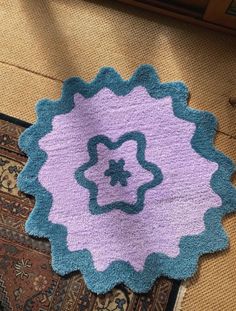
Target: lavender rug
{"type": "Point", "coordinates": [127, 182]}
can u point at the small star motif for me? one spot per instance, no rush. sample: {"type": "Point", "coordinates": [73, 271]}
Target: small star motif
{"type": "Point", "coordinates": [117, 173]}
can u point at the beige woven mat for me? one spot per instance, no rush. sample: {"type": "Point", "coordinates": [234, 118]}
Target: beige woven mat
{"type": "Point", "coordinates": [44, 42]}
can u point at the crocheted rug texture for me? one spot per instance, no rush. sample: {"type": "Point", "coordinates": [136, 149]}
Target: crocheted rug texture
{"type": "Point", "coordinates": [127, 182]}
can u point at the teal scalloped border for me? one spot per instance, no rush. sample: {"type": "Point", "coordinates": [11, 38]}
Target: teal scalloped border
{"type": "Point", "coordinates": [191, 247]}
{"type": "Point", "coordinates": [135, 208]}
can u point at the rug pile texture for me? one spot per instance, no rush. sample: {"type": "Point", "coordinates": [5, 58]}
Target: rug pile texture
{"type": "Point", "coordinates": [127, 182]}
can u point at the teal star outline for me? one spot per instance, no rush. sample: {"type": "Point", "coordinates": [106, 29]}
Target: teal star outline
{"type": "Point", "coordinates": [94, 207]}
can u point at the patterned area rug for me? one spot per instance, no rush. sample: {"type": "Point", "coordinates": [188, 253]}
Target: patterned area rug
{"type": "Point", "coordinates": [27, 282]}
{"type": "Point", "coordinates": [128, 184]}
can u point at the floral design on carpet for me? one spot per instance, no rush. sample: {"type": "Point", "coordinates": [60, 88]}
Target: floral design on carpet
{"type": "Point", "coordinates": [162, 216]}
